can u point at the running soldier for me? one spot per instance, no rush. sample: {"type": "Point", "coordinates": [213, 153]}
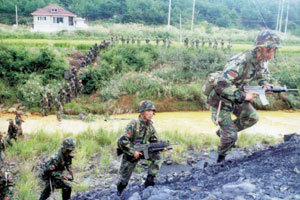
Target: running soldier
{"type": "Point", "coordinates": [228, 96]}
{"type": "Point", "coordinates": [140, 131]}
{"type": "Point", "coordinates": [61, 96]}
{"type": "Point", "coordinates": [68, 93]}
{"type": "Point", "coordinates": [53, 170]}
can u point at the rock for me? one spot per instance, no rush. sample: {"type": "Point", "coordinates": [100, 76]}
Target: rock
{"type": "Point", "coordinates": [235, 154]}
{"type": "Point", "coordinates": [12, 110]}
{"type": "Point", "coordinates": [114, 167]}
{"type": "Point", "coordinates": [147, 192]}
{"type": "Point", "coordinates": [291, 137]}
{"type": "Point", "coordinates": [162, 196]}
{"type": "Point", "coordinates": [238, 188]}
{"type": "Point", "coordinates": [210, 197]}
{"type": "Point", "coordinates": [135, 196]}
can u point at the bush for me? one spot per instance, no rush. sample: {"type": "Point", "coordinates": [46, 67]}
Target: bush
{"type": "Point", "coordinates": [17, 63]}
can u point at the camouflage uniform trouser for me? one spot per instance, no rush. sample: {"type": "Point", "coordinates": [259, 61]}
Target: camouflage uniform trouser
{"type": "Point", "coordinates": [127, 167]}
{"type": "Point", "coordinates": [44, 111]}
{"type": "Point", "coordinates": [9, 138]}
{"type": "Point", "coordinates": [56, 184]}
{"type": "Point", "coordinates": [2, 157]}
{"type": "Point", "coordinates": [58, 115]}
{"type": "Point", "coordinates": [246, 115]}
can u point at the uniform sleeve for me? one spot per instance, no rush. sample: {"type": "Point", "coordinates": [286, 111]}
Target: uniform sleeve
{"type": "Point", "coordinates": [154, 136]}
{"type": "Point", "coordinates": [125, 140]}
{"type": "Point", "coordinates": [225, 85]}
{"type": "Point", "coordinates": [51, 168]}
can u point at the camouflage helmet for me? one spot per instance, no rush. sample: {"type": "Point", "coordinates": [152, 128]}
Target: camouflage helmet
{"type": "Point", "coordinates": [267, 39]}
{"type": "Point", "coordinates": [146, 105]}
{"type": "Point", "coordinates": [68, 143]}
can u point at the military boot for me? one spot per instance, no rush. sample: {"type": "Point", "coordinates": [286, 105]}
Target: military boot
{"type": "Point", "coordinates": [221, 158]}
{"type": "Point", "coordinates": [149, 181]}
{"type": "Point", "coordinates": [120, 188]}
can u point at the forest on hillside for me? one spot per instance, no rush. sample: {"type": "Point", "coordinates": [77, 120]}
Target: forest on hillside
{"type": "Point", "coordinates": [246, 14]}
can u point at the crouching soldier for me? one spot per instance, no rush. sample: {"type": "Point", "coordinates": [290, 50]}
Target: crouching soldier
{"type": "Point", "coordinates": [139, 131]}
{"type": "Point", "coordinates": [12, 132]}
{"type": "Point", "coordinates": [6, 185]}
{"type": "Point", "coordinates": [2, 149]}
{"type": "Point", "coordinates": [53, 169]}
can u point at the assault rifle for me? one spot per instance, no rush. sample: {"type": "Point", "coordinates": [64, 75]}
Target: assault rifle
{"type": "Point", "coordinates": [261, 90]}
{"type": "Point", "coordinates": [152, 147]}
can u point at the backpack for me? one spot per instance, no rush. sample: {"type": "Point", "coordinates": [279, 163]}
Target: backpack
{"type": "Point", "coordinates": [210, 82]}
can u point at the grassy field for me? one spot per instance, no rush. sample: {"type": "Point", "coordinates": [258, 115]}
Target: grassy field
{"type": "Point", "coordinates": [97, 147]}
{"type": "Point", "coordinates": [86, 44]}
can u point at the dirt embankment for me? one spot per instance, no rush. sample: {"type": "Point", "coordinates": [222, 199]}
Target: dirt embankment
{"type": "Point", "coordinates": [271, 173]}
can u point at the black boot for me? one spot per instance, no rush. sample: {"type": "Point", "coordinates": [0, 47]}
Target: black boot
{"type": "Point", "coordinates": [221, 158]}
{"type": "Point", "coordinates": [149, 181]}
{"type": "Point", "coordinates": [120, 188]}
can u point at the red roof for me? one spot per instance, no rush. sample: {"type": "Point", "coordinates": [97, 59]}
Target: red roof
{"type": "Point", "coordinates": [48, 11]}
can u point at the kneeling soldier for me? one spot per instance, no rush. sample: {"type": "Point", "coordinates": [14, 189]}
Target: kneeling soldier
{"type": "Point", "coordinates": [140, 131]}
{"type": "Point", "coordinates": [6, 185]}
{"type": "Point", "coordinates": [53, 169]}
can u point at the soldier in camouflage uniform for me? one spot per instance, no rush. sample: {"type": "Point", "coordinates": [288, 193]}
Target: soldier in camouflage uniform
{"type": "Point", "coordinates": [222, 43]}
{"type": "Point", "coordinates": [59, 109]}
{"type": "Point", "coordinates": [12, 132]}
{"type": "Point", "coordinates": [122, 39]}
{"type": "Point", "coordinates": [186, 42]}
{"type": "Point", "coordinates": [6, 185]}
{"type": "Point", "coordinates": [2, 149]}
{"type": "Point", "coordinates": [164, 42]}
{"type": "Point", "coordinates": [141, 131]}
{"type": "Point", "coordinates": [228, 96]}
{"type": "Point", "coordinates": [50, 100]}
{"type": "Point", "coordinates": [133, 40]}
{"type": "Point", "coordinates": [68, 93]}
{"type": "Point", "coordinates": [53, 170]}
{"type": "Point", "coordinates": [157, 41]}
{"type": "Point", "coordinates": [216, 44]}
{"type": "Point", "coordinates": [209, 42]}
{"type": "Point", "coordinates": [147, 40]}
{"type": "Point", "coordinates": [197, 43]}
{"type": "Point", "coordinates": [80, 87]}
{"type": "Point", "coordinates": [203, 42]}
{"type": "Point", "coordinates": [44, 105]}
{"type": "Point", "coordinates": [169, 42]}
{"type": "Point", "coordinates": [73, 89]}
{"type": "Point", "coordinates": [19, 121]}
{"type": "Point", "coordinates": [61, 96]}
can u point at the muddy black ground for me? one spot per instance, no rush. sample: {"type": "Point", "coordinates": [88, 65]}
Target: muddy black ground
{"type": "Point", "coordinates": [271, 173]}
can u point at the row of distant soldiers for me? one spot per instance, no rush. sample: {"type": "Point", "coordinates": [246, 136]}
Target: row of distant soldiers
{"type": "Point", "coordinates": [196, 42]}
{"type": "Point", "coordinates": [74, 87]}
{"type": "Point", "coordinates": [166, 42]}
{"type": "Point", "coordinates": [64, 95]}
{"type": "Point", "coordinates": [91, 56]}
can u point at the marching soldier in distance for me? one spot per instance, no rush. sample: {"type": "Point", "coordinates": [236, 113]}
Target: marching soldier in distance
{"type": "Point", "coordinates": [197, 43]}
{"type": "Point", "coordinates": [44, 106]}
{"type": "Point", "coordinates": [59, 109]}
{"type": "Point", "coordinates": [216, 44]}
{"type": "Point", "coordinates": [203, 42]}
{"type": "Point", "coordinates": [19, 121]}
{"type": "Point", "coordinates": [157, 41]}
{"type": "Point", "coordinates": [186, 42]}
{"type": "Point", "coordinates": [122, 39]}
{"type": "Point", "coordinates": [147, 40]}
{"type": "Point", "coordinates": [229, 45]}
{"type": "Point", "coordinates": [61, 96]}
{"type": "Point", "coordinates": [209, 43]}
{"type": "Point", "coordinates": [133, 40]}
{"type": "Point", "coordinates": [222, 44]}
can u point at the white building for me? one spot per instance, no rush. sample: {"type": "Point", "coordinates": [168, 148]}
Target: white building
{"type": "Point", "coordinates": [54, 18]}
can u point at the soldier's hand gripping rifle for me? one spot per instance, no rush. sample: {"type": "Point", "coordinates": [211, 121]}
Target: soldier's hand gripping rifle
{"type": "Point", "coordinates": [261, 90]}
{"type": "Point", "coordinates": [152, 147]}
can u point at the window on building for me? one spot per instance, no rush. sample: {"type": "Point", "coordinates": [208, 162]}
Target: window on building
{"type": "Point", "coordinates": [53, 9]}
{"type": "Point", "coordinates": [42, 18]}
{"type": "Point", "coordinates": [57, 20]}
